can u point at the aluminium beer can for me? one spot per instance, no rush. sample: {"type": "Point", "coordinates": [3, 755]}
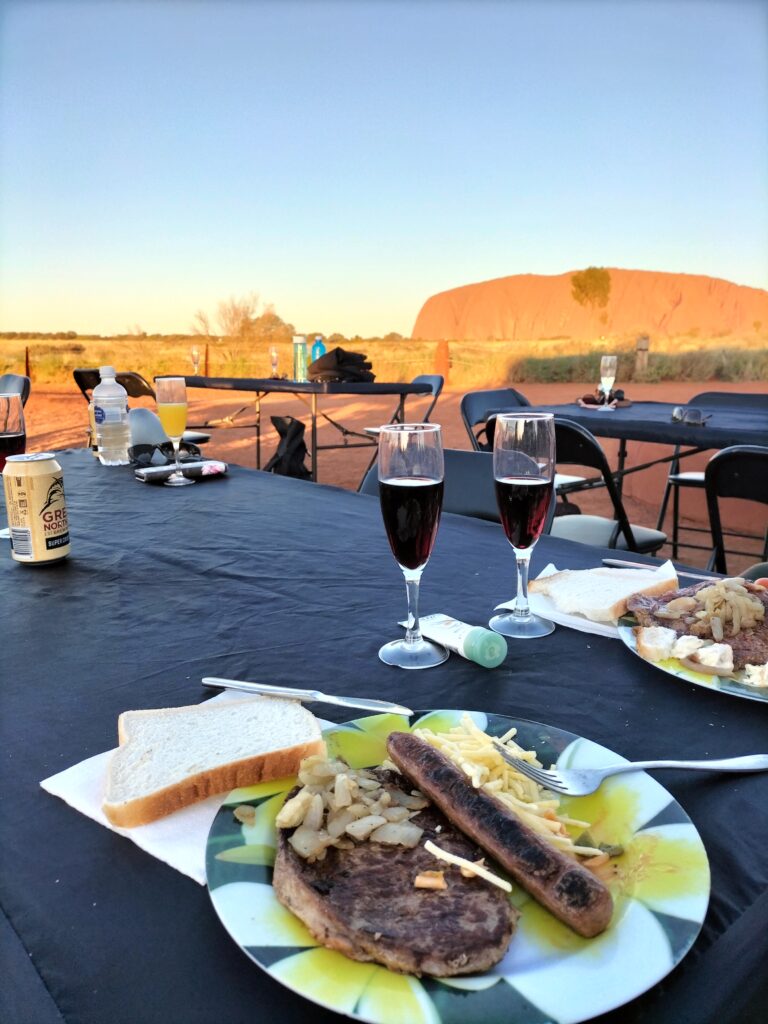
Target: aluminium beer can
{"type": "Point", "coordinates": [36, 507]}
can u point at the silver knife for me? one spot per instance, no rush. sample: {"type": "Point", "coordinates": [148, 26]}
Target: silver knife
{"type": "Point", "coordinates": [618, 563]}
{"type": "Point", "coordinates": [292, 693]}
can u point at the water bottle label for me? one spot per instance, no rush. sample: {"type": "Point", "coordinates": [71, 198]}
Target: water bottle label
{"type": "Point", "coordinates": [112, 414]}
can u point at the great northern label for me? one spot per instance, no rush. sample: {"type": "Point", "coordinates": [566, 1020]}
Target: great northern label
{"type": "Point", "coordinates": [37, 515]}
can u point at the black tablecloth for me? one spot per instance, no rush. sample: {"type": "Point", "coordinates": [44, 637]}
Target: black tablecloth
{"type": "Point", "coordinates": [652, 421]}
{"type": "Point", "coordinates": [285, 581]}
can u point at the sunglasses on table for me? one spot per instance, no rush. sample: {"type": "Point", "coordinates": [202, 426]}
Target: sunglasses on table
{"type": "Point", "coordinates": [162, 454]}
{"type": "Point", "coordinates": [693, 417]}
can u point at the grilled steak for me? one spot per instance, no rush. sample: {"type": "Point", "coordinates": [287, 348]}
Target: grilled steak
{"type": "Point", "coordinates": [562, 885]}
{"type": "Point", "coordinates": [363, 903]}
{"type": "Point", "coordinates": [750, 646]}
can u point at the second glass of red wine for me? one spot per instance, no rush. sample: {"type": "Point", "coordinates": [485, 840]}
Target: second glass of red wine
{"type": "Point", "coordinates": [13, 437]}
{"type": "Point", "coordinates": [411, 495]}
{"type": "Point", "coordinates": [524, 470]}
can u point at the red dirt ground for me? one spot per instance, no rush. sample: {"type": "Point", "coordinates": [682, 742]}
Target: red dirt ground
{"type": "Point", "coordinates": [57, 418]}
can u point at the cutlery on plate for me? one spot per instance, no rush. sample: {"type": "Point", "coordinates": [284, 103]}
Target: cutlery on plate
{"type": "Point", "coordinates": [617, 563]}
{"type": "Point", "coordinates": [293, 693]}
{"type": "Point", "coordinates": [582, 781]}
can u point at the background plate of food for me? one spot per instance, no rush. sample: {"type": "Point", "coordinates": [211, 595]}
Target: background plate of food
{"type": "Point", "coordinates": [711, 634]}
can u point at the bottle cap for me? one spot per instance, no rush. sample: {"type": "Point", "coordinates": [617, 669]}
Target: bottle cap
{"type": "Point", "coordinates": [107, 371]}
{"type": "Point", "coordinates": [485, 647]}
{"type": "Point", "coordinates": [299, 338]}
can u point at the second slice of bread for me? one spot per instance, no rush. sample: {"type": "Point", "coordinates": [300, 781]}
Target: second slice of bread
{"type": "Point", "coordinates": [172, 757]}
{"type": "Point", "coordinates": [601, 594]}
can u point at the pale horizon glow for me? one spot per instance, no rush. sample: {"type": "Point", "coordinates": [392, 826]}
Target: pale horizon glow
{"type": "Point", "coordinates": [346, 159]}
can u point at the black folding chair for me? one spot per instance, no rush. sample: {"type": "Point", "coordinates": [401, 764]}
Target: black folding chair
{"type": "Point", "coordinates": [478, 406]}
{"type": "Point", "coordinates": [738, 472]}
{"type": "Point", "coordinates": [677, 479]}
{"type": "Point", "coordinates": [15, 384]}
{"type": "Point", "coordinates": [135, 386]}
{"type": "Point", "coordinates": [469, 488]}
{"type": "Point", "coordinates": [574, 445]}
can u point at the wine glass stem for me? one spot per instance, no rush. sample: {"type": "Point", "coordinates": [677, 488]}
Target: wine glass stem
{"type": "Point", "coordinates": [521, 602]}
{"type": "Point", "coordinates": [412, 580]}
{"type": "Point", "coordinates": [176, 441]}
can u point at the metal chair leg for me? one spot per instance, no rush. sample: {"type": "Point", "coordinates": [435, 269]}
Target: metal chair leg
{"type": "Point", "coordinates": [675, 520]}
{"type": "Point", "coordinates": [663, 507]}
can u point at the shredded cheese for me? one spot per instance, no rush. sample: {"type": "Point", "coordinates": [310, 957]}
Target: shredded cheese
{"type": "Point", "coordinates": [430, 880]}
{"type": "Point", "coordinates": [475, 754]}
{"type": "Point", "coordinates": [467, 866]}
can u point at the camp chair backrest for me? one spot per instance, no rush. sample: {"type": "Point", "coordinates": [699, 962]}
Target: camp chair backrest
{"type": "Point", "coordinates": [477, 406]}
{"type": "Point", "coordinates": [15, 384]}
{"type": "Point", "coordinates": [135, 385]}
{"type": "Point", "coordinates": [469, 488]}
{"type": "Point", "coordinates": [736, 400]}
{"type": "Point", "coordinates": [575, 446]}
{"type": "Point", "coordinates": [737, 472]}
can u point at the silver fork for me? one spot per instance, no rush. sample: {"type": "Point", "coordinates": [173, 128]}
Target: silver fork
{"type": "Point", "coordinates": [582, 781]}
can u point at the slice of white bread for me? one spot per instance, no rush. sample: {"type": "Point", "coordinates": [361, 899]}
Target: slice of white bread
{"type": "Point", "coordinates": [173, 757]}
{"type": "Point", "coordinates": [600, 595]}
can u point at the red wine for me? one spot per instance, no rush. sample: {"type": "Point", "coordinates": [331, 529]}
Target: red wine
{"type": "Point", "coordinates": [523, 506]}
{"type": "Point", "coordinates": [11, 444]}
{"type": "Point", "coordinates": [410, 507]}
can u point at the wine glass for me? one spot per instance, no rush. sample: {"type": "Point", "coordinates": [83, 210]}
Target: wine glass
{"type": "Point", "coordinates": [411, 495]}
{"type": "Point", "coordinates": [13, 435]}
{"type": "Point", "coordinates": [524, 471]}
{"type": "Point", "coordinates": [273, 361]}
{"type": "Point", "coordinates": [172, 409]}
{"type": "Point", "coordinates": [194, 355]}
{"type": "Point", "coordinates": [607, 378]}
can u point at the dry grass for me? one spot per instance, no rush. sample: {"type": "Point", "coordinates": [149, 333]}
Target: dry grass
{"type": "Point", "coordinates": [469, 363]}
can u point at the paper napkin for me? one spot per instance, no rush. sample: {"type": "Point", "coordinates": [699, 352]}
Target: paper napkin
{"type": "Point", "coordinates": [178, 839]}
{"type": "Point", "coordinates": [542, 604]}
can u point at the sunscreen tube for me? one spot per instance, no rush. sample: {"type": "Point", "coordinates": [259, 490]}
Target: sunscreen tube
{"type": "Point", "coordinates": [475, 643]}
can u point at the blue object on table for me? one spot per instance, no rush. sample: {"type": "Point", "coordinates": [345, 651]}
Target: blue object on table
{"type": "Point", "coordinates": [318, 349]}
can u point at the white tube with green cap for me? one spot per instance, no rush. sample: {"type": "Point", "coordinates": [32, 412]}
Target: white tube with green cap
{"type": "Point", "coordinates": [476, 643]}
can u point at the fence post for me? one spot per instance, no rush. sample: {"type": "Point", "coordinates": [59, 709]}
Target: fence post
{"type": "Point", "coordinates": [207, 374]}
{"type": "Point", "coordinates": [27, 369]}
{"type": "Point", "coordinates": [641, 356]}
{"type": "Point", "coordinates": [443, 360]}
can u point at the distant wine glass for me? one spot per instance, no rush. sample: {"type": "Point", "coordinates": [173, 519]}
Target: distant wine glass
{"type": "Point", "coordinates": [194, 355]}
{"type": "Point", "coordinates": [411, 495]}
{"type": "Point", "coordinates": [523, 470]}
{"type": "Point", "coordinates": [172, 409]}
{"type": "Point", "coordinates": [608, 366]}
{"type": "Point", "coordinates": [13, 435]}
{"type": "Point", "coordinates": [273, 362]}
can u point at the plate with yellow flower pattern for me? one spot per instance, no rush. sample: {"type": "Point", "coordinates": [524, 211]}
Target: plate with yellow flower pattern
{"type": "Point", "coordinates": [660, 887]}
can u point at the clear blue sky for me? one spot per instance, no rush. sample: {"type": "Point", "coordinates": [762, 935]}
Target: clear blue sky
{"type": "Point", "coordinates": [348, 159]}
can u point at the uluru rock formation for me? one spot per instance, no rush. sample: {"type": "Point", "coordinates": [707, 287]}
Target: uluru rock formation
{"type": "Point", "coordinates": [533, 306]}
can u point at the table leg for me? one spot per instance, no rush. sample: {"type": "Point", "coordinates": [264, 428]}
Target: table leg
{"type": "Point", "coordinates": [622, 461]}
{"type": "Point", "coordinates": [257, 404]}
{"type": "Point", "coordinates": [314, 437]}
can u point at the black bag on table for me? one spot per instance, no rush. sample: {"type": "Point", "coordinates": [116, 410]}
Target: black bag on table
{"type": "Point", "coordinates": [342, 366]}
{"type": "Point", "coordinates": [288, 459]}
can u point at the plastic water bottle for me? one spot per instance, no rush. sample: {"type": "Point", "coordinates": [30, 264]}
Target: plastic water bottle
{"type": "Point", "coordinates": [318, 349]}
{"type": "Point", "coordinates": [110, 411]}
{"type": "Point", "coordinates": [300, 358]}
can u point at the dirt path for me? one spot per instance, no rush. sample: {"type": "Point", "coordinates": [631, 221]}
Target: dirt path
{"type": "Point", "coordinates": [57, 418]}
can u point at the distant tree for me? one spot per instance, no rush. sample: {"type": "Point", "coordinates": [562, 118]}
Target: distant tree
{"type": "Point", "coordinates": [392, 337]}
{"type": "Point", "coordinates": [591, 287]}
{"type": "Point", "coordinates": [201, 325]}
{"type": "Point", "coordinates": [270, 329]}
{"type": "Point", "coordinates": [235, 316]}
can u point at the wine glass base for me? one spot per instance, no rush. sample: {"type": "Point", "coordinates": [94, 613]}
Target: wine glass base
{"type": "Point", "coordinates": [422, 654]}
{"type": "Point", "coordinates": [5, 534]}
{"type": "Point", "coordinates": [606, 408]}
{"type": "Point", "coordinates": [178, 480]}
{"type": "Point", "coordinates": [519, 627]}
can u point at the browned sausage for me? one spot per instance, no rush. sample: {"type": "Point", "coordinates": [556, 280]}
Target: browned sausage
{"type": "Point", "coordinates": [571, 892]}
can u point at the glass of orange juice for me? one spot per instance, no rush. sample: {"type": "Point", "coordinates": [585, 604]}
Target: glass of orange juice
{"type": "Point", "coordinates": [171, 395]}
